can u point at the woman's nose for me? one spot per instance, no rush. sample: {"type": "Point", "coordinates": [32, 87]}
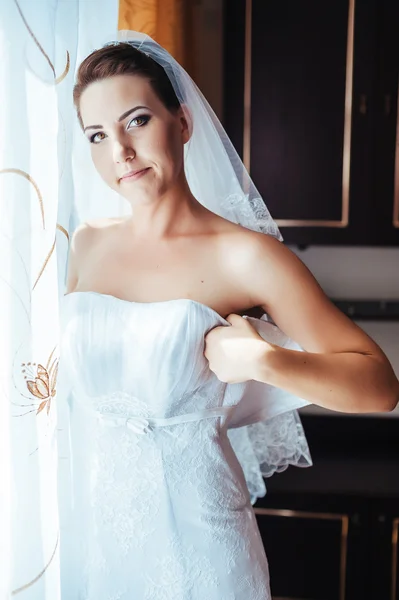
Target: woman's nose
{"type": "Point", "coordinates": [122, 151]}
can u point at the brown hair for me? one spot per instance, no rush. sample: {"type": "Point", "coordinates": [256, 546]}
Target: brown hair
{"type": "Point", "coordinates": [123, 59]}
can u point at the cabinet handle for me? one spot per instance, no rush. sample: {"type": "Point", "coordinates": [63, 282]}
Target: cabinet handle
{"type": "Point", "coordinates": [395, 216]}
{"type": "Point", "coordinates": [363, 104]}
{"type": "Point", "coordinates": [394, 573]}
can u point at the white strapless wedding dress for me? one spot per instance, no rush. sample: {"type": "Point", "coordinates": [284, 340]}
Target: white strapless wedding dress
{"type": "Point", "coordinates": [160, 462]}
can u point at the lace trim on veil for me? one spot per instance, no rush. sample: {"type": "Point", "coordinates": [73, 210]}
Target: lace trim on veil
{"type": "Point", "coordinates": [269, 447]}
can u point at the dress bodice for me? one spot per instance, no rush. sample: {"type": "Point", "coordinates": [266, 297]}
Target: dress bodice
{"type": "Point", "coordinates": [153, 352]}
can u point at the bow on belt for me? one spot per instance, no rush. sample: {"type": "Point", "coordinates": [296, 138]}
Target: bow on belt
{"type": "Point", "coordinates": [143, 425]}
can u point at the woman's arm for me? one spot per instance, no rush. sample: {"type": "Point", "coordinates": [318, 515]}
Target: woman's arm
{"type": "Point", "coordinates": [342, 381]}
{"type": "Point", "coordinates": [342, 368]}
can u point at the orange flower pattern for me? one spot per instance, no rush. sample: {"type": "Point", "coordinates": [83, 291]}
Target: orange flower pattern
{"type": "Point", "coordinates": [43, 385]}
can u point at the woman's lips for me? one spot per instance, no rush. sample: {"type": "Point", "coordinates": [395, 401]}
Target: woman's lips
{"type": "Point", "coordinates": [135, 175]}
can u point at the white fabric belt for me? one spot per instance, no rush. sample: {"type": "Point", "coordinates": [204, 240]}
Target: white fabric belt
{"type": "Point", "coordinates": [143, 425]}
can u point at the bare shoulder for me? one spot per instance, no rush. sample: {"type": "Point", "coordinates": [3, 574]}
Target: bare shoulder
{"type": "Point", "coordinates": [84, 237]}
{"type": "Point", "coordinates": [268, 269]}
{"type": "Point", "coordinates": [249, 256]}
{"type": "Point", "coordinates": [90, 231]}
{"type": "Point", "coordinates": [249, 248]}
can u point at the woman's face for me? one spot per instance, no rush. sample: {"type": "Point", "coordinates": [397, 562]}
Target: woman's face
{"type": "Point", "coordinates": [130, 129]}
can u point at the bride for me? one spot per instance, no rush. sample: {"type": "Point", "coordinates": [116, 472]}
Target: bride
{"type": "Point", "coordinates": [178, 395]}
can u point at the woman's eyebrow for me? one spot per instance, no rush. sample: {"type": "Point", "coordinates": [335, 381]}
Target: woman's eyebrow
{"type": "Point", "coordinates": [125, 114]}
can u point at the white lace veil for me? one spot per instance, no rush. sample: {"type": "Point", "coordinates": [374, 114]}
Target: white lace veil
{"type": "Point", "coordinates": [271, 436]}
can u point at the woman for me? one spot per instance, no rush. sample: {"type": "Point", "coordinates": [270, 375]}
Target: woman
{"type": "Point", "coordinates": [153, 341]}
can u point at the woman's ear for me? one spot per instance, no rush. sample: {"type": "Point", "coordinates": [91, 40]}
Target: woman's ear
{"type": "Point", "coordinates": [186, 123]}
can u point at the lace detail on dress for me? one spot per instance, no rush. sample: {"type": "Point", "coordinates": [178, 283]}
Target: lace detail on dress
{"type": "Point", "coordinates": [121, 404]}
{"type": "Point", "coordinates": [242, 550]}
{"type": "Point", "coordinates": [195, 466]}
{"type": "Point", "coordinates": [181, 572]}
{"type": "Point", "coordinates": [124, 489]}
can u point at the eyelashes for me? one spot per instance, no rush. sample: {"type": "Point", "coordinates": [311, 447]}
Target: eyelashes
{"type": "Point", "coordinates": [143, 118]}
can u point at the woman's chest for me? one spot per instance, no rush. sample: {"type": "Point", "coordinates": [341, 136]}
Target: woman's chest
{"type": "Point", "coordinates": [156, 273]}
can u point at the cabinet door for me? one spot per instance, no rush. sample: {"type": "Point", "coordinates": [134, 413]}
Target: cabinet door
{"type": "Point", "coordinates": [329, 546]}
{"type": "Point", "coordinates": [307, 553]}
{"type": "Point", "coordinates": [384, 554]}
{"type": "Point", "coordinates": [386, 207]}
{"type": "Point", "coordinates": [300, 102]}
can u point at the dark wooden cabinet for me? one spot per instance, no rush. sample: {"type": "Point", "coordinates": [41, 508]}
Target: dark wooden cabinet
{"type": "Point", "coordinates": [311, 104]}
{"type": "Point", "coordinates": [331, 531]}
{"type": "Point", "coordinates": [306, 550]}
{"type": "Point", "coordinates": [330, 547]}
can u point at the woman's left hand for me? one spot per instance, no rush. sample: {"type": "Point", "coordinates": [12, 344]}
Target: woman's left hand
{"type": "Point", "coordinates": [234, 353]}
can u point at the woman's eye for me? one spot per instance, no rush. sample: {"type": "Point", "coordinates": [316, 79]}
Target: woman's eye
{"type": "Point", "coordinates": [93, 137]}
{"type": "Point", "coordinates": [139, 122]}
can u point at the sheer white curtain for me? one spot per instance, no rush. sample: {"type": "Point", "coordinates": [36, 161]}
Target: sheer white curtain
{"type": "Point", "coordinates": [45, 168]}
